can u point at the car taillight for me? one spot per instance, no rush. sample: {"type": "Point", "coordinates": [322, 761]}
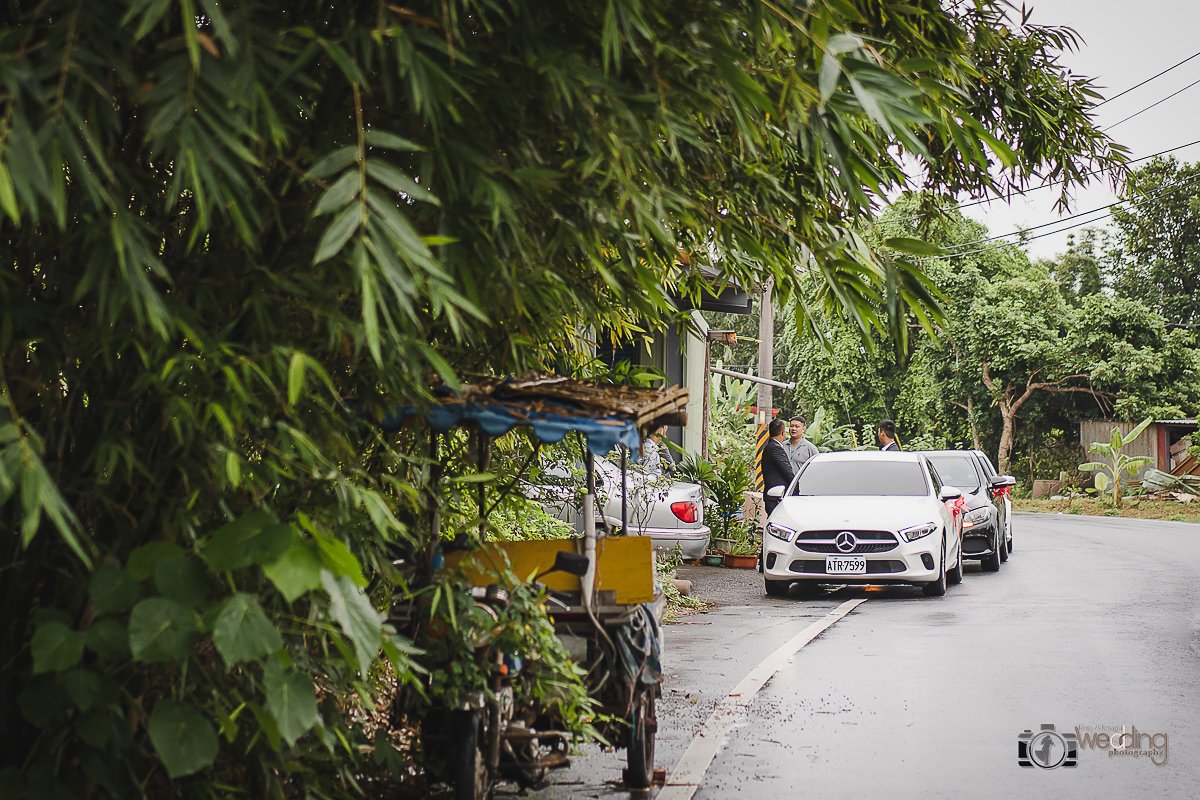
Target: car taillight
{"type": "Point", "coordinates": [685, 511]}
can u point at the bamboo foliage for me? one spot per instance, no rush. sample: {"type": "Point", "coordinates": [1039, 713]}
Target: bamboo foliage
{"type": "Point", "coordinates": [222, 219]}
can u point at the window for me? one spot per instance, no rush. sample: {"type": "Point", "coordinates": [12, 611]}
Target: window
{"type": "Point", "coordinates": [862, 479]}
{"type": "Point", "coordinates": [957, 471]}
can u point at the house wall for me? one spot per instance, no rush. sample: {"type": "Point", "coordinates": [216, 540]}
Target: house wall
{"type": "Point", "coordinates": [695, 378]}
{"type": "Point", "coordinates": [1100, 430]}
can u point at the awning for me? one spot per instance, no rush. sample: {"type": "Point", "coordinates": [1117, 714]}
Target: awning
{"type": "Point", "coordinates": [551, 406]}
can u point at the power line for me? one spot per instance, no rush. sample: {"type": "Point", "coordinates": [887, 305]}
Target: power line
{"type": "Point", "coordinates": [1157, 192]}
{"type": "Point", "coordinates": [1060, 230]}
{"type": "Point", "coordinates": [1143, 83]}
{"type": "Point", "coordinates": [1152, 105]}
{"type": "Point", "coordinates": [1055, 183]}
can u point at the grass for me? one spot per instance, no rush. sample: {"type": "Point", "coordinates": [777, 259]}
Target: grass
{"type": "Point", "coordinates": [1131, 508]}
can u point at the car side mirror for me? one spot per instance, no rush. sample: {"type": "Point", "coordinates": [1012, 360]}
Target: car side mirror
{"type": "Point", "coordinates": [1002, 482]}
{"type": "Point", "coordinates": [776, 491]}
{"type": "Point", "coordinates": [949, 493]}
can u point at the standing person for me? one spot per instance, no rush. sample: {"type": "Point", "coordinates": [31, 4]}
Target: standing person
{"type": "Point", "coordinates": [798, 448]}
{"type": "Point", "coordinates": [885, 431]}
{"type": "Point", "coordinates": [657, 459]}
{"type": "Point", "coordinates": [776, 468]}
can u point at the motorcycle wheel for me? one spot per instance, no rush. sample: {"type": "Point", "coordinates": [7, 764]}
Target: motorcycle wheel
{"type": "Point", "coordinates": [640, 753]}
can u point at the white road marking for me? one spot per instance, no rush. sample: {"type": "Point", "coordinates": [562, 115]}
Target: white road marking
{"type": "Point", "coordinates": [684, 780]}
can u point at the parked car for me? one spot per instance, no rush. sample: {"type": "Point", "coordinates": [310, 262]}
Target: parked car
{"type": "Point", "coordinates": [984, 537]}
{"type": "Point", "coordinates": [865, 517]}
{"type": "Point", "coordinates": [1000, 485]}
{"type": "Point", "coordinates": [670, 512]}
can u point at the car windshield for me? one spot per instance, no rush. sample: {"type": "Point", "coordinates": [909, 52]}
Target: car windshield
{"type": "Point", "coordinates": [957, 471]}
{"type": "Point", "coordinates": [863, 478]}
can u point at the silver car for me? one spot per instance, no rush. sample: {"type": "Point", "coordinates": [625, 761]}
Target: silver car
{"type": "Point", "coordinates": [670, 512]}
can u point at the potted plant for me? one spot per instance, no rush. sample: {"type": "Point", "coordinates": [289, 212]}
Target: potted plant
{"type": "Point", "coordinates": [744, 553]}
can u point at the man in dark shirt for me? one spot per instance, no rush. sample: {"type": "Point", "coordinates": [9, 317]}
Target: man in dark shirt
{"type": "Point", "coordinates": [886, 433]}
{"type": "Point", "coordinates": [776, 466]}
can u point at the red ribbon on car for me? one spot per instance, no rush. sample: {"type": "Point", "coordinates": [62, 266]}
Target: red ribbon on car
{"type": "Point", "coordinates": [1001, 491]}
{"type": "Point", "coordinates": [958, 505]}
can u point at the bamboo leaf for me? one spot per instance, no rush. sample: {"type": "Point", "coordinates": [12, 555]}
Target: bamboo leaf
{"type": "Point", "coordinates": [338, 233]}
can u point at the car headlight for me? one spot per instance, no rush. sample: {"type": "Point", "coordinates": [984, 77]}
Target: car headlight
{"type": "Point", "coordinates": [976, 517]}
{"type": "Point", "coordinates": [917, 531]}
{"type": "Point", "coordinates": [780, 531]}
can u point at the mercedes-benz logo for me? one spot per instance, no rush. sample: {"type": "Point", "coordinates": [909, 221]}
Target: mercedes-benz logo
{"type": "Point", "coordinates": [845, 541]}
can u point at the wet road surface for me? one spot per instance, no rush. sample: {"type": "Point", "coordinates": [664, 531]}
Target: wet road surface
{"type": "Point", "coordinates": [1093, 622]}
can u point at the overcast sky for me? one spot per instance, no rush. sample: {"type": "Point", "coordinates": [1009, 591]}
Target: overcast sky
{"type": "Point", "coordinates": [1124, 44]}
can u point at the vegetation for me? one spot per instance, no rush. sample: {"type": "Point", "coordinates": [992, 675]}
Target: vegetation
{"type": "Point", "coordinates": [236, 232]}
{"type": "Point", "coordinates": [1116, 461]}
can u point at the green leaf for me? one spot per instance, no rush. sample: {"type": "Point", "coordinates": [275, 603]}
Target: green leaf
{"type": "Point", "coordinates": [109, 639]}
{"type": "Point", "coordinates": [298, 570]}
{"type": "Point", "coordinates": [1130, 437]}
{"type": "Point", "coordinates": [142, 561]}
{"type": "Point", "coordinates": [336, 196]}
{"type": "Point", "coordinates": [352, 611]}
{"type": "Point", "coordinates": [1102, 481]}
{"type": "Point", "coordinates": [1091, 466]}
{"type": "Point", "coordinates": [88, 688]}
{"type": "Point", "coordinates": [296, 377]}
{"type": "Point", "coordinates": [182, 580]}
{"type": "Point", "coordinates": [112, 590]}
{"type": "Point", "coordinates": [253, 538]}
{"type": "Point", "coordinates": [338, 233]}
{"type": "Point", "coordinates": [338, 559]}
{"type": "Point", "coordinates": [243, 632]}
{"type": "Point", "coordinates": [390, 141]}
{"type": "Point", "coordinates": [160, 630]}
{"type": "Point", "coordinates": [233, 468]}
{"type": "Point", "coordinates": [43, 700]}
{"type": "Point", "coordinates": [96, 727]}
{"type": "Point", "coordinates": [334, 162]}
{"type": "Point", "coordinates": [915, 247]}
{"type": "Point", "coordinates": [290, 699]}
{"type": "Point", "coordinates": [8, 198]}
{"type": "Point", "coordinates": [55, 647]}
{"type": "Point", "coordinates": [183, 738]}
{"type": "Point", "coordinates": [397, 181]}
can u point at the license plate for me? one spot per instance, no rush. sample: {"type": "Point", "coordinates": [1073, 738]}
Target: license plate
{"type": "Point", "coordinates": [845, 565]}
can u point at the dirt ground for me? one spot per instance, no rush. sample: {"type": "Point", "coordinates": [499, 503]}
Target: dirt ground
{"type": "Point", "coordinates": [1131, 508]}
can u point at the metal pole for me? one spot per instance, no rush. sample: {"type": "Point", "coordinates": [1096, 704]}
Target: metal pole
{"type": "Point", "coordinates": [752, 378]}
{"type": "Point", "coordinates": [588, 581]}
{"type": "Point", "coordinates": [624, 490]}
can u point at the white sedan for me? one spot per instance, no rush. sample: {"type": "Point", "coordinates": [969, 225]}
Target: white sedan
{"type": "Point", "coordinates": [865, 517]}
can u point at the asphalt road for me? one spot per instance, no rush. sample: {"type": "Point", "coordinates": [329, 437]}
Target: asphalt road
{"type": "Point", "coordinates": [1093, 623]}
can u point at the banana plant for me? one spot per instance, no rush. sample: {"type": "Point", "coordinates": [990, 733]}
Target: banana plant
{"type": "Point", "coordinates": [1117, 461]}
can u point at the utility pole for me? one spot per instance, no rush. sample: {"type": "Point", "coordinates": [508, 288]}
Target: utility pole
{"type": "Point", "coordinates": [766, 369]}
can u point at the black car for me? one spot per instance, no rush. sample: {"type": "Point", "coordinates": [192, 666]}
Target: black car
{"type": "Point", "coordinates": [1001, 485]}
{"type": "Point", "coordinates": [985, 521]}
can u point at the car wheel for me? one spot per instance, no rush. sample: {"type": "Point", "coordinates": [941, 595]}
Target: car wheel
{"type": "Point", "coordinates": [955, 575]}
{"type": "Point", "coordinates": [777, 588]}
{"type": "Point", "coordinates": [937, 588]}
{"type": "Point", "coordinates": [992, 563]}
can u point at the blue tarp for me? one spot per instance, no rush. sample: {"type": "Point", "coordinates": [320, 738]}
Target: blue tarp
{"type": "Point", "coordinates": [550, 423]}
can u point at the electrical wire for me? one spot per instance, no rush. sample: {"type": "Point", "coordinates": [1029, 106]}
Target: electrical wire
{"type": "Point", "coordinates": [1054, 183]}
{"type": "Point", "coordinates": [1143, 83]}
{"type": "Point", "coordinates": [1152, 105]}
{"type": "Point", "coordinates": [1157, 192]}
{"type": "Point", "coordinates": [1060, 230]}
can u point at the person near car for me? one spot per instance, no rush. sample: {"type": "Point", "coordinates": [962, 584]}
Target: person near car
{"type": "Point", "coordinates": [776, 467]}
{"type": "Point", "coordinates": [656, 459]}
{"type": "Point", "coordinates": [885, 431]}
{"type": "Point", "coordinates": [798, 448]}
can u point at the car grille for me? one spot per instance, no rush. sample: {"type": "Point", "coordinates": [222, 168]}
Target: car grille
{"type": "Point", "coordinates": [868, 542]}
{"type": "Point", "coordinates": [976, 544]}
{"type": "Point", "coordinates": [882, 567]}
